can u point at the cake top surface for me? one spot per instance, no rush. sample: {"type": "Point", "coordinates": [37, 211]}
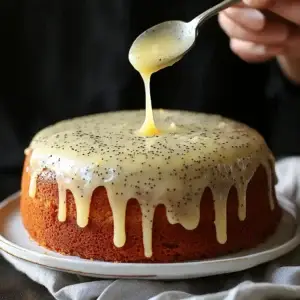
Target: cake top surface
{"type": "Point", "coordinates": [111, 137]}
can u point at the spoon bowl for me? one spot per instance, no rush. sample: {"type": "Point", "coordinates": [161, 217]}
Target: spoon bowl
{"type": "Point", "coordinates": [161, 45]}
{"type": "Point", "coordinates": [166, 43]}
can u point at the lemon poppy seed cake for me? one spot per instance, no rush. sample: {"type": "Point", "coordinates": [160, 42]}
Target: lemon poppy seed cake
{"type": "Point", "coordinates": [95, 188]}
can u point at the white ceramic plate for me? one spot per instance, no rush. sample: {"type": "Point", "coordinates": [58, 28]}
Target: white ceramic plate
{"type": "Point", "coordinates": [15, 241]}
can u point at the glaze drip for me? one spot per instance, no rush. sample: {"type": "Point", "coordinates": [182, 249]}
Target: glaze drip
{"type": "Point", "coordinates": [148, 128]}
{"type": "Point", "coordinates": [156, 50]}
{"type": "Point", "coordinates": [172, 169]}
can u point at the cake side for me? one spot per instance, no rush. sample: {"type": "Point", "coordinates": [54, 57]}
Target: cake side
{"type": "Point", "coordinates": [171, 242]}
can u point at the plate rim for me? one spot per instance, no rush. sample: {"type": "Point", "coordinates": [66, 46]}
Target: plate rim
{"type": "Point", "coordinates": [36, 257]}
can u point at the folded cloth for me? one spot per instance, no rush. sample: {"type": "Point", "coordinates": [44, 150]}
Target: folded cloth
{"type": "Point", "coordinates": [279, 279]}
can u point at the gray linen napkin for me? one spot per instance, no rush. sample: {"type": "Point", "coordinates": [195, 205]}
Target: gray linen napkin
{"type": "Point", "coordinates": [279, 279]}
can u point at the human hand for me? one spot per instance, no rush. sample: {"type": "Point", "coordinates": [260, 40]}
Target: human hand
{"type": "Point", "coordinates": [260, 30]}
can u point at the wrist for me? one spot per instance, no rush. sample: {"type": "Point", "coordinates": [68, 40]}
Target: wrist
{"type": "Point", "coordinates": [290, 67]}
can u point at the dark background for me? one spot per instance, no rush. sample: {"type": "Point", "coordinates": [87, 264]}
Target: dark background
{"type": "Point", "coordinates": [60, 59]}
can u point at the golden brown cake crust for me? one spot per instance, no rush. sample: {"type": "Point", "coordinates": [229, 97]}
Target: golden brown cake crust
{"type": "Point", "coordinates": [171, 243]}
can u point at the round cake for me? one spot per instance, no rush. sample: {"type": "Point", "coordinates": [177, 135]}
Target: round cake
{"type": "Point", "coordinates": [95, 188]}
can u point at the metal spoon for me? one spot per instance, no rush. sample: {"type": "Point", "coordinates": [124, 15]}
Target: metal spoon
{"type": "Point", "coordinates": [164, 44]}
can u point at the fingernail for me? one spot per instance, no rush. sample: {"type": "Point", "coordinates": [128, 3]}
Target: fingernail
{"type": "Point", "coordinates": [248, 2]}
{"type": "Point", "coordinates": [249, 17]}
{"type": "Point", "coordinates": [253, 14]}
{"type": "Point", "coordinates": [255, 17]}
{"type": "Point", "coordinates": [264, 50]}
{"type": "Point", "coordinates": [259, 49]}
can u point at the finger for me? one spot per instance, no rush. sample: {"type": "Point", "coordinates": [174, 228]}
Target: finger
{"type": "Point", "coordinates": [247, 17]}
{"type": "Point", "coordinates": [239, 4]}
{"type": "Point", "coordinates": [260, 4]}
{"type": "Point", "coordinates": [273, 33]}
{"type": "Point", "coordinates": [252, 52]}
{"type": "Point", "coordinates": [289, 10]}
{"type": "Point", "coordinates": [292, 46]}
